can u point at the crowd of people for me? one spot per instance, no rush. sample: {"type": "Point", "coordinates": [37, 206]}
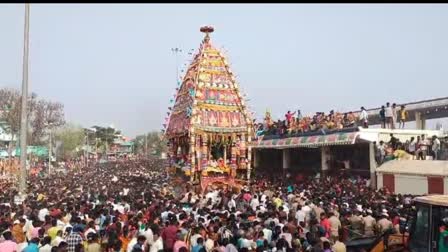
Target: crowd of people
{"type": "Point", "coordinates": [296, 123]}
{"type": "Point", "coordinates": [135, 205]}
{"type": "Point", "coordinates": [420, 148]}
{"type": "Point", "coordinates": [293, 124]}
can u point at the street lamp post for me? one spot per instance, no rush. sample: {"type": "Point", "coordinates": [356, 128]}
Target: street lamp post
{"type": "Point", "coordinates": [50, 151]}
{"type": "Point", "coordinates": [87, 131]}
{"type": "Point", "coordinates": [146, 145]}
{"type": "Point", "coordinates": [24, 119]}
{"type": "Point", "coordinates": [85, 150]}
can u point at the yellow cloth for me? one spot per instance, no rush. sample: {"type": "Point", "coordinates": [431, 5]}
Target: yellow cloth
{"type": "Point", "coordinates": [52, 232]}
{"type": "Point", "coordinates": [278, 202]}
{"type": "Point", "coordinates": [40, 197]}
{"type": "Point", "coordinates": [401, 154]}
{"type": "Point", "coordinates": [403, 114]}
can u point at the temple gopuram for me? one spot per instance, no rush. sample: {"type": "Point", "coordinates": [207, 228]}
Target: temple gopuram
{"type": "Point", "coordinates": [209, 125]}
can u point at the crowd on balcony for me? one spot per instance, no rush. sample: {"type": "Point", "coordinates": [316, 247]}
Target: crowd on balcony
{"type": "Point", "coordinates": [296, 123]}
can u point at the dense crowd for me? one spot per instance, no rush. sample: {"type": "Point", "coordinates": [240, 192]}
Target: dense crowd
{"type": "Point", "coordinates": [135, 206]}
{"type": "Point", "coordinates": [420, 148]}
{"type": "Point", "coordinates": [296, 123]}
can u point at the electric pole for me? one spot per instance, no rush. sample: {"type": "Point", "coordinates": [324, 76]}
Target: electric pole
{"type": "Point", "coordinates": [50, 152]}
{"type": "Point", "coordinates": [146, 145]}
{"type": "Point", "coordinates": [24, 114]}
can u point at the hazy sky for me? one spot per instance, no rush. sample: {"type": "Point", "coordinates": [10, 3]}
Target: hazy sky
{"type": "Point", "coordinates": [112, 64]}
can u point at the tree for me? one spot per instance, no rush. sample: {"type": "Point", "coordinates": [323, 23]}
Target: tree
{"type": "Point", "coordinates": [155, 143]}
{"type": "Point", "coordinates": [71, 138]}
{"type": "Point", "coordinates": [10, 106]}
{"type": "Point", "coordinates": [106, 136]}
{"type": "Point", "coordinates": [10, 113]}
{"type": "Point", "coordinates": [47, 115]}
{"type": "Point", "coordinates": [42, 115]}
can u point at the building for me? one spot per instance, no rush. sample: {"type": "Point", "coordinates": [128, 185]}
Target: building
{"type": "Point", "coordinates": [209, 124]}
{"type": "Point", "coordinates": [122, 146]}
{"type": "Point", "coordinates": [414, 177]}
{"type": "Point", "coordinates": [327, 152]}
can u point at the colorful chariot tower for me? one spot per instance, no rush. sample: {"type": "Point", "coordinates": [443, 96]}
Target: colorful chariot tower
{"type": "Point", "coordinates": [209, 125]}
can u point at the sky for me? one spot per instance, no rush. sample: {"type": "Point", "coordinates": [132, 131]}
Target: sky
{"type": "Point", "coordinates": [112, 64]}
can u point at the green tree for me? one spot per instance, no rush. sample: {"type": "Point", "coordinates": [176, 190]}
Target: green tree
{"type": "Point", "coordinates": [155, 144]}
{"type": "Point", "coordinates": [71, 138]}
{"type": "Point", "coordinates": [106, 136]}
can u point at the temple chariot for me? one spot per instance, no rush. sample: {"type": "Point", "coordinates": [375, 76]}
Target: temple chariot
{"type": "Point", "coordinates": [209, 126]}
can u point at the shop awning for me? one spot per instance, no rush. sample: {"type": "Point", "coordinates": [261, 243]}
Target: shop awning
{"type": "Point", "coordinates": [308, 141]}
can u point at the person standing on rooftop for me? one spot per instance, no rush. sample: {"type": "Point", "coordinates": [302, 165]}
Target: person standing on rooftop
{"type": "Point", "coordinates": [389, 116]}
{"type": "Point", "coordinates": [363, 117]}
{"type": "Point", "coordinates": [383, 117]}
{"type": "Point", "coordinates": [403, 116]}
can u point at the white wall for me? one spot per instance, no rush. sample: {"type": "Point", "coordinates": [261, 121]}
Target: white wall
{"type": "Point", "coordinates": [411, 184]}
{"type": "Point", "coordinates": [379, 180]}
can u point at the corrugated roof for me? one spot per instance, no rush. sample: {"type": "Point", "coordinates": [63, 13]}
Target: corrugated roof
{"type": "Point", "coordinates": [415, 167]}
{"type": "Point", "coordinates": [307, 141]}
{"type": "Point", "coordinates": [439, 200]}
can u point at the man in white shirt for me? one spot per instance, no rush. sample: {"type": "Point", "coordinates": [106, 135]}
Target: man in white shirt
{"type": "Point", "coordinates": [125, 191]}
{"type": "Point", "coordinates": [42, 213]}
{"type": "Point", "coordinates": [267, 234]}
{"type": "Point", "coordinates": [149, 236]}
{"type": "Point", "coordinates": [47, 246]}
{"type": "Point", "coordinates": [158, 243]}
{"type": "Point", "coordinates": [231, 204]}
{"type": "Point", "coordinates": [424, 144]}
{"type": "Point", "coordinates": [194, 238]}
{"type": "Point", "coordinates": [300, 215]}
{"type": "Point", "coordinates": [389, 114]}
{"type": "Point", "coordinates": [363, 117]}
{"type": "Point", "coordinates": [287, 236]}
{"type": "Point", "coordinates": [435, 147]}
{"type": "Point", "coordinates": [58, 239]}
{"type": "Point", "coordinates": [166, 213]}
{"type": "Point", "coordinates": [254, 203]}
{"type": "Point", "coordinates": [394, 115]}
{"type": "Point", "coordinates": [307, 210]}
{"type": "Point", "coordinates": [131, 244]}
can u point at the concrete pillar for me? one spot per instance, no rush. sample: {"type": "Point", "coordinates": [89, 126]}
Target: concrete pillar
{"type": "Point", "coordinates": [420, 121]}
{"type": "Point", "coordinates": [325, 156]}
{"type": "Point", "coordinates": [286, 159]}
{"type": "Point", "coordinates": [254, 157]}
{"type": "Point", "coordinates": [249, 158]}
{"type": "Point", "coordinates": [198, 151]}
{"type": "Point", "coordinates": [372, 166]}
{"type": "Point", "coordinates": [205, 150]}
{"type": "Point", "coordinates": [192, 157]}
